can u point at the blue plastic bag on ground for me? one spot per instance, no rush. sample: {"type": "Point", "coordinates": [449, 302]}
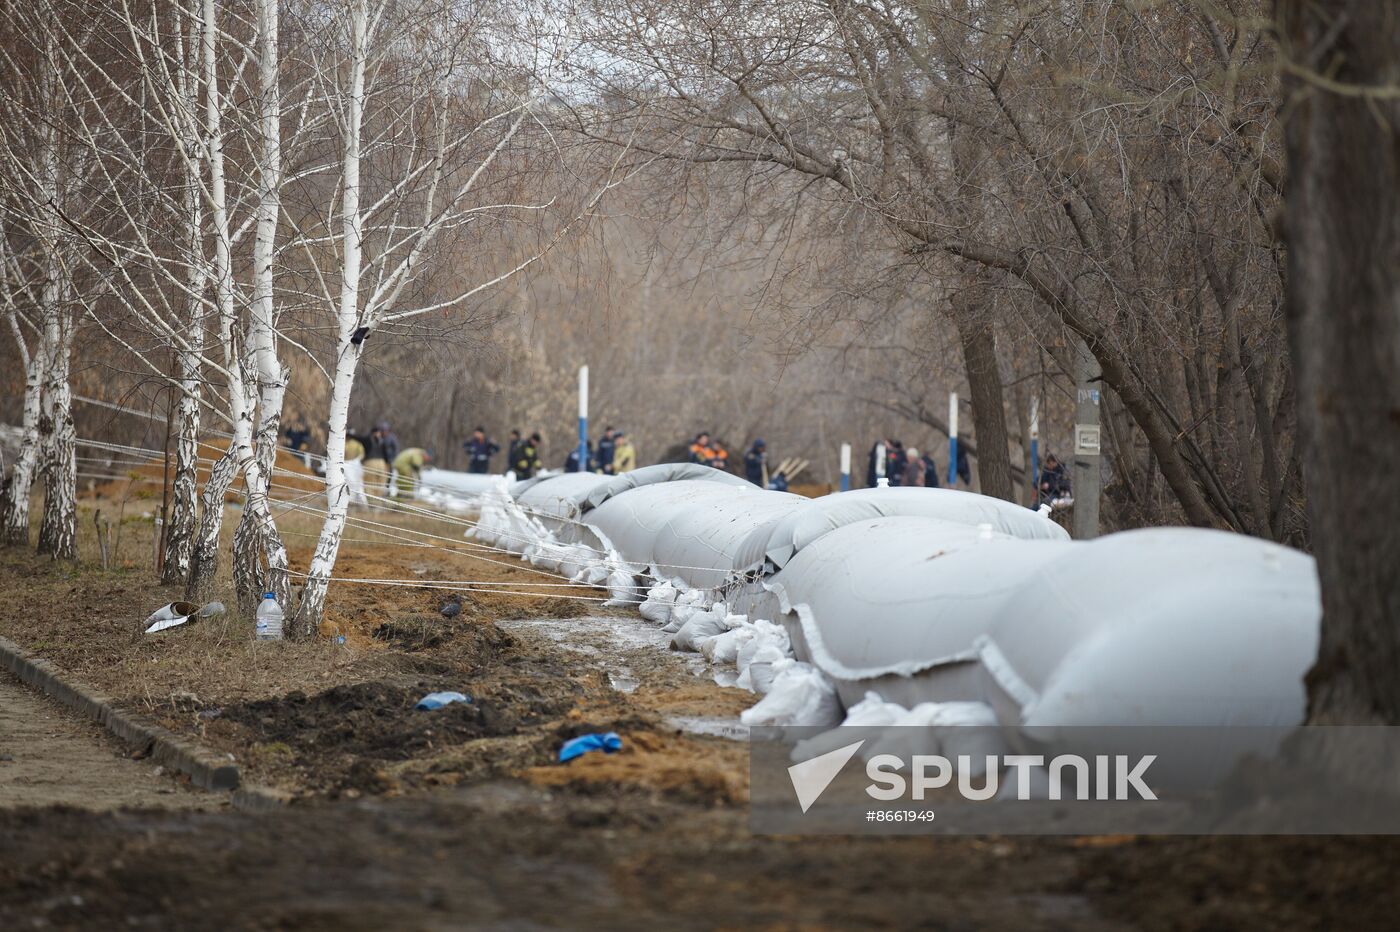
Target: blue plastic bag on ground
{"type": "Point", "coordinates": [437, 700]}
{"type": "Point", "coordinates": [577, 747]}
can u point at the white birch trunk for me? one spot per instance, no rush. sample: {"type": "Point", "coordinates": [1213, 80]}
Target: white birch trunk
{"type": "Point", "coordinates": [204, 557]}
{"type": "Point", "coordinates": [313, 598]}
{"type": "Point", "coordinates": [180, 535]}
{"type": "Point", "coordinates": [256, 538]}
{"type": "Point", "coordinates": [241, 399]}
{"type": "Point", "coordinates": [16, 517]}
{"type": "Point", "coordinates": [58, 529]}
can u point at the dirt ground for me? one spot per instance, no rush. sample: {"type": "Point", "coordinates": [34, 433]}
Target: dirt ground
{"type": "Point", "coordinates": [463, 817]}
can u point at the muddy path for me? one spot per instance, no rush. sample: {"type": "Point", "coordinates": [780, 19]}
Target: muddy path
{"type": "Point", "coordinates": [49, 756]}
{"type": "Point", "coordinates": [504, 855]}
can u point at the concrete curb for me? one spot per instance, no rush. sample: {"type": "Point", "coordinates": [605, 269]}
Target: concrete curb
{"type": "Point", "coordinates": [207, 770]}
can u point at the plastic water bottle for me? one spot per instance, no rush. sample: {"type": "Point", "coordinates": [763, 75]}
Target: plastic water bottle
{"type": "Point", "coordinates": [269, 619]}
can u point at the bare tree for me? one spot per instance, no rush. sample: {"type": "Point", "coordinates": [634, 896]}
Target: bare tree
{"type": "Point", "coordinates": [1342, 221]}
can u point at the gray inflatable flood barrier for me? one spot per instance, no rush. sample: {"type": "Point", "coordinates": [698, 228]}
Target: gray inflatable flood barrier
{"type": "Point", "coordinates": [1168, 626]}
{"type": "Point", "coordinates": [933, 595]}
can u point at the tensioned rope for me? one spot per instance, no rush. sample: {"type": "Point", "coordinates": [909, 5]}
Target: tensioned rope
{"type": "Point", "coordinates": [397, 504]}
{"type": "Point", "coordinates": [395, 532]}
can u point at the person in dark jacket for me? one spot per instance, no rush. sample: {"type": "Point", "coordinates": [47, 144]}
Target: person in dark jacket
{"type": "Point", "coordinates": [930, 471]}
{"type": "Point", "coordinates": [480, 448]}
{"type": "Point", "coordinates": [513, 449]}
{"type": "Point", "coordinates": [526, 461]}
{"type": "Point", "coordinates": [571, 464]}
{"type": "Point", "coordinates": [299, 440]}
{"type": "Point", "coordinates": [964, 468]}
{"type": "Point", "coordinates": [756, 463]}
{"type": "Point", "coordinates": [897, 461]}
{"type": "Point", "coordinates": [390, 439]}
{"type": "Point", "coordinates": [607, 449]}
{"type": "Point", "coordinates": [381, 449]}
{"type": "Point", "coordinates": [299, 437]}
{"type": "Point", "coordinates": [1054, 481]}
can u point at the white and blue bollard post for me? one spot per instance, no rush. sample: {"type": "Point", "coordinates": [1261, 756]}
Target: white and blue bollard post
{"type": "Point", "coordinates": [845, 467]}
{"type": "Point", "coordinates": [952, 439]}
{"type": "Point", "coordinates": [881, 480]}
{"type": "Point", "coordinates": [1035, 450]}
{"type": "Point", "coordinates": [583, 419]}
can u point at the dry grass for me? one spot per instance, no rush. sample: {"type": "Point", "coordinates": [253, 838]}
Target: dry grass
{"type": "Point", "coordinates": [89, 622]}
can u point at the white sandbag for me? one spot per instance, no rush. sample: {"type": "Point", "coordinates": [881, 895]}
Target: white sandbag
{"type": "Point", "coordinates": [687, 604]}
{"type": "Point", "coordinates": [870, 712]}
{"type": "Point", "coordinates": [799, 695]}
{"type": "Point", "coordinates": [952, 729]}
{"type": "Point", "coordinates": [762, 667]}
{"type": "Point", "coordinates": [573, 561]}
{"type": "Point", "coordinates": [545, 554]}
{"type": "Point", "coordinates": [700, 625]}
{"type": "Point", "coordinates": [724, 648]}
{"type": "Point", "coordinates": [622, 585]}
{"type": "Point", "coordinates": [656, 607]}
{"type": "Point", "coordinates": [488, 524]}
{"type": "Point", "coordinates": [765, 633]}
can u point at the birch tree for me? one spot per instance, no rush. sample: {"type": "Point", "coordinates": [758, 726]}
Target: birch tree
{"type": "Point", "coordinates": [43, 173]}
{"type": "Point", "coordinates": [256, 538]}
{"type": "Point", "coordinates": [432, 136]}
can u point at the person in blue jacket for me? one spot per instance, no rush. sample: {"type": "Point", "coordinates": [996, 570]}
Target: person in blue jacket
{"type": "Point", "coordinates": [480, 448]}
{"type": "Point", "coordinates": [607, 449]}
{"type": "Point", "coordinates": [756, 463]}
{"type": "Point", "coordinates": [930, 471]}
{"type": "Point", "coordinates": [571, 464]}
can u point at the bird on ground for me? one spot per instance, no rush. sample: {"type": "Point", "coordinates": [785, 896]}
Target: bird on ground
{"type": "Point", "coordinates": [452, 607]}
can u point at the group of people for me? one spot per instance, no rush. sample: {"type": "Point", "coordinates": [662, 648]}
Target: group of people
{"type": "Point", "coordinates": [707, 452]}
{"type": "Point", "coordinates": [522, 453]}
{"type": "Point", "coordinates": [613, 456]}
{"type": "Point", "coordinates": [375, 463]}
{"type": "Point", "coordinates": [907, 466]}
